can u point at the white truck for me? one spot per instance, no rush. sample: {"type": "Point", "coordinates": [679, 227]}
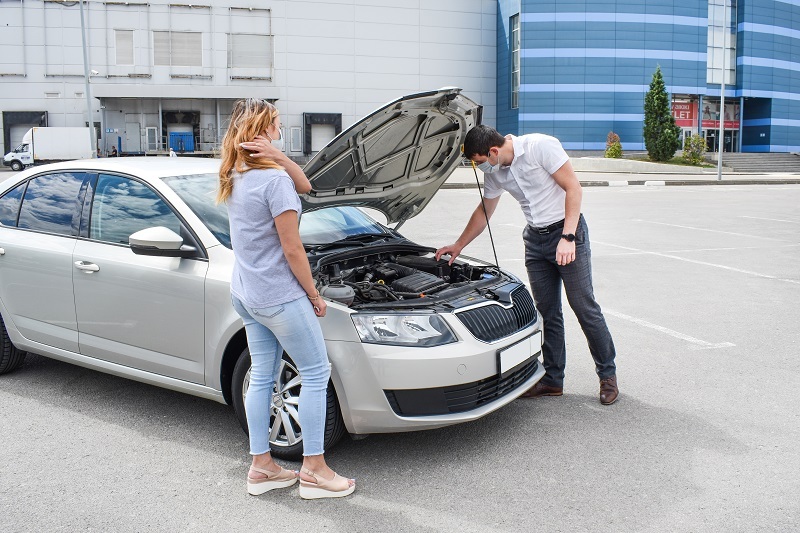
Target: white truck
{"type": "Point", "coordinates": [46, 145]}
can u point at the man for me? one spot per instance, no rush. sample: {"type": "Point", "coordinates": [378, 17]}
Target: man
{"type": "Point", "coordinates": [536, 170]}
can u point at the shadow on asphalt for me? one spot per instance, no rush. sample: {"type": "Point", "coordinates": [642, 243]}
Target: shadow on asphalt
{"type": "Point", "coordinates": [548, 454]}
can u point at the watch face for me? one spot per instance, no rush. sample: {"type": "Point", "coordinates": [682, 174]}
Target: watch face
{"type": "Point", "coordinates": [570, 237]}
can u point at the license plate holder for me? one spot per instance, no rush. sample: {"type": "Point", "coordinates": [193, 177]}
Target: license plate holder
{"type": "Point", "coordinates": [516, 354]}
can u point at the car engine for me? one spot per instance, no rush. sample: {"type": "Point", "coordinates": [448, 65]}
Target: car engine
{"type": "Point", "coordinates": [389, 277]}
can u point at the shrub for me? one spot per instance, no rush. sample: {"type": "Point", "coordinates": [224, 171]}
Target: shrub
{"type": "Point", "coordinates": [613, 146]}
{"type": "Point", "coordinates": [661, 135]}
{"type": "Point", "coordinates": [694, 149]}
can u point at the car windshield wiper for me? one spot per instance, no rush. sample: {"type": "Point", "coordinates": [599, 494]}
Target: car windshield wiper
{"type": "Point", "coordinates": [360, 239]}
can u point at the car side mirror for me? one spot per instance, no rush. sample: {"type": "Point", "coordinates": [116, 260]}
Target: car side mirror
{"type": "Point", "coordinates": [161, 242]}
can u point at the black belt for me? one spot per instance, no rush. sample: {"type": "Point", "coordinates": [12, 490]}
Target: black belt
{"type": "Point", "coordinates": [548, 229]}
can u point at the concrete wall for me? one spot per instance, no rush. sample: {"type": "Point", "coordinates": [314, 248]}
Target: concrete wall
{"type": "Point", "coordinates": [346, 57]}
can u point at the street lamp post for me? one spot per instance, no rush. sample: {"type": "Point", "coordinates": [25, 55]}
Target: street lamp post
{"type": "Point", "coordinates": [88, 90]}
{"type": "Point", "coordinates": [721, 139]}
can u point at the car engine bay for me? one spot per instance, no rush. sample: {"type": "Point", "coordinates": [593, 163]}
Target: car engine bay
{"type": "Point", "coordinates": [388, 278]}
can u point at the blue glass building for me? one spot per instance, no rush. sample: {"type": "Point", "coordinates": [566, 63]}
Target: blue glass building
{"type": "Point", "coordinates": [578, 69]}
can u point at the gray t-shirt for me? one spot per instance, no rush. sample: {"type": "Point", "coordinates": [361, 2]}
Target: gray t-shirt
{"type": "Point", "coordinates": [261, 273]}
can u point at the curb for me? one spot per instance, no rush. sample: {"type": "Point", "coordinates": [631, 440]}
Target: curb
{"type": "Point", "coordinates": [654, 183]}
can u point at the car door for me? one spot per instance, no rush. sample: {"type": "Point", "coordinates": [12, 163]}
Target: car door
{"type": "Point", "coordinates": [142, 312]}
{"type": "Point", "coordinates": [38, 232]}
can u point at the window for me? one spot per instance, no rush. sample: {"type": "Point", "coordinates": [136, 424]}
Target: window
{"type": "Point", "coordinates": [123, 206]}
{"type": "Point", "coordinates": [721, 41]}
{"type": "Point", "coordinates": [178, 49]}
{"type": "Point", "coordinates": [515, 66]}
{"type": "Point", "coordinates": [52, 203]}
{"type": "Point", "coordinates": [249, 51]}
{"type": "Point", "coordinates": [9, 205]}
{"type": "Point", "coordinates": [124, 46]}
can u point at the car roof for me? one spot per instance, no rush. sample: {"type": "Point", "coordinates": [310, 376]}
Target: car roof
{"type": "Point", "coordinates": [145, 167]}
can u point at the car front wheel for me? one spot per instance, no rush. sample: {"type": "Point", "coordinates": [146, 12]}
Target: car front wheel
{"type": "Point", "coordinates": [16, 166]}
{"type": "Point", "coordinates": [286, 435]}
{"type": "Point", "coordinates": [10, 356]}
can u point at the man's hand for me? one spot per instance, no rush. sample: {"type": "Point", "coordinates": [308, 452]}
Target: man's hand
{"type": "Point", "coordinates": [453, 250]}
{"type": "Point", "coordinates": [565, 252]}
{"type": "Point", "coordinates": [262, 147]}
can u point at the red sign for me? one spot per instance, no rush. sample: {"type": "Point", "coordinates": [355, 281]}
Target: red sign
{"type": "Point", "coordinates": [685, 114]}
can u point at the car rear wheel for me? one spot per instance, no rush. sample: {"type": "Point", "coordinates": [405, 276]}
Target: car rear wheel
{"type": "Point", "coordinates": [10, 356]}
{"type": "Point", "coordinates": [16, 166]}
{"type": "Point", "coordinates": [286, 435]}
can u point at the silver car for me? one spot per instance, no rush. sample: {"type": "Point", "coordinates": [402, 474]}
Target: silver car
{"type": "Point", "coordinates": [123, 265]}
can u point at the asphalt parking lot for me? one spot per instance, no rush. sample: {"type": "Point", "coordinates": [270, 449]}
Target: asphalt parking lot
{"type": "Point", "coordinates": [700, 287]}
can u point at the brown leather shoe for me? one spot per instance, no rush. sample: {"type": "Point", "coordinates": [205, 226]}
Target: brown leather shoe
{"type": "Point", "coordinates": [608, 390]}
{"type": "Point", "coordinates": [540, 389]}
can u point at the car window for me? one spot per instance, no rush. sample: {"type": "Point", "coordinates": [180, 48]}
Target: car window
{"type": "Point", "coordinates": [52, 202]}
{"type": "Point", "coordinates": [9, 205]}
{"type": "Point", "coordinates": [334, 223]}
{"type": "Point", "coordinates": [123, 206]}
{"type": "Point", "coordinates": [199, 191]}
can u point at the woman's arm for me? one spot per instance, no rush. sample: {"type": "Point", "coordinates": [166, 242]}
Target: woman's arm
{"type": "Point", "coordinates": [289, 233]}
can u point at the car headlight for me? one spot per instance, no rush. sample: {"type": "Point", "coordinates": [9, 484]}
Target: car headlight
{"type": "Point", "coordinates": [403, 330]}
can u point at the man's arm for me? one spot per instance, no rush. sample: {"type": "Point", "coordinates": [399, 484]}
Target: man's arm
{"type": "Point", "coordinates": [475, 226]}
{"type": "Point", "coordinates": [566, 179]}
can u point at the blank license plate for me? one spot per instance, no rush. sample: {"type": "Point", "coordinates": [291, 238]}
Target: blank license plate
{"type": "Point", "coordinates": [518, 353]}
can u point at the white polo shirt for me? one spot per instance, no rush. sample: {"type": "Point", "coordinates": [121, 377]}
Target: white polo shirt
{"type": "Point", "coordinates": [529, 178]}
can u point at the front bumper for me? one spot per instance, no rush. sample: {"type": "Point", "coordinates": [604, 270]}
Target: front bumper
{"type": "Point", "coordinates": [385, 389]}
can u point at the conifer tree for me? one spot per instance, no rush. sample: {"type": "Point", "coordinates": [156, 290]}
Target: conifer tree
{"type": "Point", "coordinates": [661, 135]}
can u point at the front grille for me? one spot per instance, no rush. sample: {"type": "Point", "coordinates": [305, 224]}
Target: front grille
{"type": "Point", "coordinates": [492, 322]}
{"type": "Point", "coordinates": [459, 398]}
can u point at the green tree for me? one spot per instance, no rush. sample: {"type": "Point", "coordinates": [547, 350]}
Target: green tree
{"type": "Point", "coordinates": [661, 135]}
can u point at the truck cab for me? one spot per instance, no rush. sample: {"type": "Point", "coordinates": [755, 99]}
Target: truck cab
{"type": "Point", "coordinates": [19, 158]}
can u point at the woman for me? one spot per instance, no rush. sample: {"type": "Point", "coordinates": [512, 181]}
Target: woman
{"type": "Point", "coordinates": [273, 291]}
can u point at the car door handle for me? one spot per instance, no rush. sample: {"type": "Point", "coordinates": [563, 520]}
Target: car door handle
{"type": "Point", "coordinates": [86, 266]}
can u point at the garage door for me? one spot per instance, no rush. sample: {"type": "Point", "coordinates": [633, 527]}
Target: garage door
{"type": "Point", "coordinates": [17, 132]}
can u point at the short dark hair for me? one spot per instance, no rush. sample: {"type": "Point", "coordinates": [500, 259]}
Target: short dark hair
{"type": "Point", "coordinates": [480, 139]}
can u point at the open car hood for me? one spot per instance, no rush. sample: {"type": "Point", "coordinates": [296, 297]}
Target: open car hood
{"type": "Point", "coordinates": [395, 159]}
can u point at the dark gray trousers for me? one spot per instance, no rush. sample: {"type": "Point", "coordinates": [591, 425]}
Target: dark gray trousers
{"type": "Point", "coordinates": [546, 278]}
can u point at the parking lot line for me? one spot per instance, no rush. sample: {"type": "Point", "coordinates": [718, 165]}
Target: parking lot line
{"type": "Point", "coordinates": [704, 263]}
{"type": "Point", "coordinates": [706, 229]}
{"type": "Point", "coordinates": [771, 219]}
{"type": "Point", "coordinates": [698, 344]}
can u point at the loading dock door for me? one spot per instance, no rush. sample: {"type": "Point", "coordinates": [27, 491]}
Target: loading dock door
{"type": "Point", "coordinates": [133, 137]}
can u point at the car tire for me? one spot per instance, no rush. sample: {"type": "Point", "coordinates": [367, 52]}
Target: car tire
{"type": "Point", "coordinates": [10, 356]}
{"type": "Point", "coordinates": [284, 446]}
{"type": "Point", "coordinates": [16, 166]}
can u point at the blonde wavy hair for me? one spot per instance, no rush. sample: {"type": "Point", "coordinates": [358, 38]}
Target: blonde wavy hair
{"type": "Point", "coordinates": [250, 118]}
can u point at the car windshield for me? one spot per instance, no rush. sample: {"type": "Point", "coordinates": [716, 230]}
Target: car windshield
{"type": "Point", "coordinates": [322, 226]}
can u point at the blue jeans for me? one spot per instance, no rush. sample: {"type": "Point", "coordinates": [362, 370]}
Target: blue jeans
{"type": "Point", "coordinates": [292, 326]}
{"type": "Point", "coordinates": [546, 277]}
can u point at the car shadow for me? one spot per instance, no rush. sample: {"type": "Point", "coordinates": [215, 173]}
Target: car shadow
{"type": "Point", "coordinates": [537, 457]}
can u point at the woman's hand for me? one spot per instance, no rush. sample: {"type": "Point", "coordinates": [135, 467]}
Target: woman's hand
{"type": "Point", "coordinates": [320, 306]}
{"type": "Point", "coordinates": [262, 147]}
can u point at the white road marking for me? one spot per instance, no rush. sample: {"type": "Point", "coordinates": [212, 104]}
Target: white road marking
{"type": "Point", "coordinates": [697, 343]}
{"type": "Point", "coordinates": [704, 263]}
{"type": "Point", "coordinates": [706, 229]}
{"type": "Point", "coordinates": [689, 250]}
{"type": "Point", "coordinates": [772, 219]}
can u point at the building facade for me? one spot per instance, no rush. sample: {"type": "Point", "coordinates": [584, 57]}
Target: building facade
{"type": "Point", "coordinates": [578, 69]}
{"type": "Point", "coordinates": [165, 75]}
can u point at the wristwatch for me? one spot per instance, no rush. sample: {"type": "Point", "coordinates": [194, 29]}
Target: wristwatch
{"type": "Point", "coordinates": [569, 237]}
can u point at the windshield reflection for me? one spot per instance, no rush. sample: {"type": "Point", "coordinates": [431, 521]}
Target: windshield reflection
{"type": "Point", "coordinates": [316, 227]}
